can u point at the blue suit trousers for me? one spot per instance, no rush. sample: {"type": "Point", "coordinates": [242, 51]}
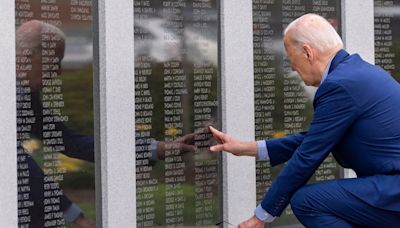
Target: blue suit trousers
{"type": "Point", "coordinates": [328, 204]}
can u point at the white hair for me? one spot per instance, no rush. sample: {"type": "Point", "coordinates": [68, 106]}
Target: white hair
{"type": "Point", "coordinates": [29, 35]}
{"type": "Point", "coordinates": [313, 30]}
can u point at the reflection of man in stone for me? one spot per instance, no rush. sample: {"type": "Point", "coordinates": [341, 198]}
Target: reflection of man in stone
{"type": "Point", "coordinates": [356, 117]}
{"type": "Point", "coordinates": [31, 49]}
{"type": "Point", "coordinates": [30, 52]}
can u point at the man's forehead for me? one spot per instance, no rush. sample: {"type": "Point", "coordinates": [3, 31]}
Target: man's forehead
{"type": "Point", "coordinates": [286, 41]}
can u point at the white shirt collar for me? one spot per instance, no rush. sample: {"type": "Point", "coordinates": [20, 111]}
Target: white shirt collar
{"type": "Point", "coordinates": [325, 74]}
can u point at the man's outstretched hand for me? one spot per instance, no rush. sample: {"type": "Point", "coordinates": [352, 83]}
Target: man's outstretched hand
{"type": "Point", "coordinates": [232, 145]}
{"type": "Point", "coordinates": [252, 222]}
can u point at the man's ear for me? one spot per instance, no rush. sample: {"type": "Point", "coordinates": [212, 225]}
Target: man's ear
{"type": "Point", "coordinates": [308, 52]}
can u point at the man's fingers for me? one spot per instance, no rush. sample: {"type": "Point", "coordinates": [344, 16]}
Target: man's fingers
{"type": "Point", "coordinates": [242, 225]}
{"type": "Point", "coordinates": [189, 138]}
{"type": "Point", "coordinates": [217, 134]}
{"type": "Point", "coordinates": [187, 148]}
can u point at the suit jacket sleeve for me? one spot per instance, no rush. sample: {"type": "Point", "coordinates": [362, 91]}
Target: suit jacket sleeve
{"type": "Point", "coordinates": [334, 111]}
{"type": "Point", "coordinates": [281, 150]}
{"type": "Point", "coordinates": [77, 145]}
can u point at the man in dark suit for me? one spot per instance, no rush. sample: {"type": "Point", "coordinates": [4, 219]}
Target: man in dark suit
{"type": "Point", "coordinates": [29, 49]}
{"type": "Point", "coordinates": [356, 117]}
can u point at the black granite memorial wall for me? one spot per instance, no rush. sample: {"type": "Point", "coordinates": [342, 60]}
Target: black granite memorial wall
{"type": "Point", "coordinates": [387, 36]}
{"type": "Point", "coordinates": [176, 98]}
{"type": "Point", "coordinates": [283, 104]}
{"type": "Point", "coordinates": [54, 83]}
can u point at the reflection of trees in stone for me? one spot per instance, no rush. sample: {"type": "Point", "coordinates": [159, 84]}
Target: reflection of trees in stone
{"type": "Point", "coordinates": [156, 85]}
{"type": "Point", "coordinates": [159, 131]}
{"type": "Point", "coordinates": [178, 39]}
{"type": "Point", "coordinates": [78, 97]}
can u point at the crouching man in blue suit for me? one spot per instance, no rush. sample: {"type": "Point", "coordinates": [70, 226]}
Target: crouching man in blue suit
{"type": "Point", "coordinates": [356, 117]}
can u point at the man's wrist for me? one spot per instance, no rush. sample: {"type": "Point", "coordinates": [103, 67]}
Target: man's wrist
{"type": "Point", "coordinates": [262, 215]}
{"type": "Point", "coordinates": [252, 148]}
{"type": "Point", "coordinates": [72, 213]}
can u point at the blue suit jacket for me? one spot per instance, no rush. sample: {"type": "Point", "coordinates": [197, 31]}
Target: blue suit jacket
{"type": "Point", "coordinates": [357, 118]}
{"type": "Point", "coordinates": [76, 146]}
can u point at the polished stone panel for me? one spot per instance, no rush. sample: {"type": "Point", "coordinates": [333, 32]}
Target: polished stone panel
{"type": "Point", "coordinates": [55, 143]}
{"type": "Point", "coordinates": [176, 98]}
{"type": "Point", "coordinates": [283, 104]}
{"type": "Point", "coordinates": [387, 36]}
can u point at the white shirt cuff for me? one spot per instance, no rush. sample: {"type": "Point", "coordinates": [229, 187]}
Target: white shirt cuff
{"type": "Point", "coordinates": [262, 151]}
{"type": "Point", "coordinates": [153, 149]}
{"type": "Point", "coordinates": [262, 215]}
{"type": "Point", "coordinates": [72, 213]}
